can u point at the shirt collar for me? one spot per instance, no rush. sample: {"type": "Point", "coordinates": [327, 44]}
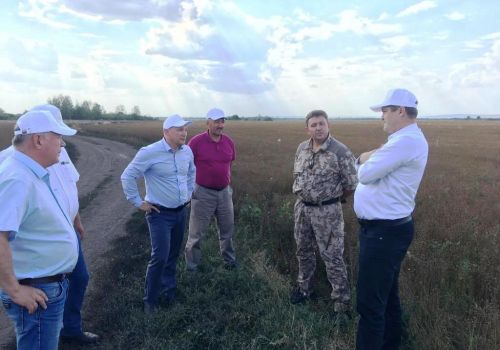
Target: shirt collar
{"type": "Point", "coordinates": [408, 128]}
{"type": "Point", "coordinates": [323, 146]}
{"type": "Point", "coordinates": [167, 146]}
{"type": "Point", "coordinates": [33, 165]}
{"type": "Point", "coordinates": [207, 136]}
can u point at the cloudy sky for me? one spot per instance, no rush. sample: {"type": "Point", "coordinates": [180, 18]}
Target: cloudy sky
{"type": "Point", "coordinates": [272, 57]}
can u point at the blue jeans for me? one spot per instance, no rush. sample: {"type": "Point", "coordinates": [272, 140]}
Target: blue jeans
{"type": "Point", "coordinates": [381, 252]}
{"type": "Point", "coordinates": [40, 330]}
{"type": "Point", "coordinates": [78, 281]}
{"type": "Point", "coordinates": [166, 230]}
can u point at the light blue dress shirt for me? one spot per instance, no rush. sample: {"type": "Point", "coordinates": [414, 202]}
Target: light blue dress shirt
{"type": "Point", "coordinates": [389, 179]}
{"type": "Point", "coordinates": [169, 175]}
{"type": "Point", "coordinates": [41, 234]}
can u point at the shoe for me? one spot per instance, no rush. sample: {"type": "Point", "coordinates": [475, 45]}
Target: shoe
{"type": "Point", "coordinates": [82, 339]}
{"type": "Point", "coordinates": [150, 309]}
{"type": "Point", "coordinates": [231, 265]}
{"type": "Point", "coordinates": [298, 296]}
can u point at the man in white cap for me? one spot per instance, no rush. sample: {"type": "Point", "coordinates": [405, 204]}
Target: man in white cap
{"type": "Point", "coordinates": [63, 179]}
{"type": "Point", "coordinates": [38, 243]}
{"type": "Point", "coordinates": [169, 172]}
{"type": "Point", "coordinates": [384, 200]}
{"type": "Point", "coordinates": [214, 154]}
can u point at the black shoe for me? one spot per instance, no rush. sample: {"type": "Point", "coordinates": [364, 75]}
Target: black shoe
{"type": "Point", "coordinates": [85, 338]}
{"type": "Point", "coordinates": [298, 296]}
{"type": "Point", "coordinates": [231, 265]}
{"type": "Point", "coordinates": [150, 309]}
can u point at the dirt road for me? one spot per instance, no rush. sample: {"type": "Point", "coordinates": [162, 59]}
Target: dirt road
{"type": "Point", "coordinates": [105, 210]}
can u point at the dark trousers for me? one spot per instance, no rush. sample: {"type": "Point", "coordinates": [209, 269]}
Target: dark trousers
{"type": "Point", "coordinates": [166, 230]}
{"type": "Point", "coordinates": [381, 251]}
{"type": "Point", "coordinates": [78, 281]}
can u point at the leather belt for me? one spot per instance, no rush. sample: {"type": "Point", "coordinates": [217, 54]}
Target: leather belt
{"type": "Point", "coordinates": [42, 280]}
{"type": "Point", "coordinates": [328, 201]}
{"type": "Point", "coordinates": [162, 208]}
{"type": "Point", "coordinates": [385, 223]}
{"type": "Point", "coordinates": [213, 188]}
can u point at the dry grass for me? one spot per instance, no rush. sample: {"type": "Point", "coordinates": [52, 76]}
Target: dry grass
{"type": "Point", "coordinates": [450, 281]}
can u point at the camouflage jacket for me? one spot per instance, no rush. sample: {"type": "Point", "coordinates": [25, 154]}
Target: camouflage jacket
{"type": "Point", "coordinates": [325, 174]}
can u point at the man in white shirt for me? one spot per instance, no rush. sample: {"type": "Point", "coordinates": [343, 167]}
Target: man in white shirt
{"type": "Point", "coordinates": [384, 200]}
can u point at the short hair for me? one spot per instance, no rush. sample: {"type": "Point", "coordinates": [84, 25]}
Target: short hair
{"type": "Point", "coordinates": [412, 112]}
{"type": "Point", "coordinates": [316, 113]}
{"type": "Point", "coordinates": [18, 140]}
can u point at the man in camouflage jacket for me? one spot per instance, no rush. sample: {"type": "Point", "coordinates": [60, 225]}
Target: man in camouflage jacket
{"type": "Point", "coordinates": [324, 175]}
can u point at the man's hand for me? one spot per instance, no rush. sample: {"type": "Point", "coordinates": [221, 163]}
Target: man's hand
{"type": "Point", "coordinates": [30, 298]}
{"type": "Point", "coordinates": [79, 226]}
{"type": "Point", "coordinates": [366, 155]}
{"type": "Point", "coordinates": [148, 207]}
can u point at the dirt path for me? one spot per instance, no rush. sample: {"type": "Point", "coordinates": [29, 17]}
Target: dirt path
{"type": "Point", "coordinates": [105, 210]}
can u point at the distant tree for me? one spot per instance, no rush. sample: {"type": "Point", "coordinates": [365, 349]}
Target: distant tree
{"type": "Point", "coordinates": [478, 117]}
{"type": "Point", "coordinates": [136, 111]}
{"type": "Point", "coordinates": [97, 111]}
{"type": "Point", "coordinates": [64, 103]}
{"type": "Point", "coordinates": [120, 109]}
{"type": "Point", "coordinates": [234, 117]}
{"type": "Point", "coordinates": [83, 110]}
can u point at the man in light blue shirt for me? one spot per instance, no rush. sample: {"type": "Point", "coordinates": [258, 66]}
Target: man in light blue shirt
{"type": "Point", "coordinates": [63, 178]}
{"type": "Point", "coordinates": [168, 169]}
{"type": "Point", "coordinates": [384, 200]}
{"type": "Point", "coordinates": [38, 244]}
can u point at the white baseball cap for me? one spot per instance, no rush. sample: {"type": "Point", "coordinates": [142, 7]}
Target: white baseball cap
{"type": "Point", "coordinates": [175, 121]}
{"type": "Point", "coordinates": [397, 97]}
{"type": "Point", "coordinates": [56, 112]}
{"type": "Point", "coordinates": [215, 114]}
{"type": "Point", "coordinates": [34, 122]}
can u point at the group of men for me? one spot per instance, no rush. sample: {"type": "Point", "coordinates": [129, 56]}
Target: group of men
{"type": "Point", "coordinates": [41, 260]}
{"type": "Point", "coordinates": [385, 182]}
{"type": "Point", "coordinates": [40, 229]}
{"type": "Point", "coordinates": [175, 176]}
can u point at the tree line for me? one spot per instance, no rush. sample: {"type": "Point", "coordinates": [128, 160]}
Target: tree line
{"type": "Point", "coordinates": [86, 110]}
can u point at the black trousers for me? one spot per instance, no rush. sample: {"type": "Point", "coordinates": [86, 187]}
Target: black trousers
{"type": "Point", "coordinates": [382, 250]}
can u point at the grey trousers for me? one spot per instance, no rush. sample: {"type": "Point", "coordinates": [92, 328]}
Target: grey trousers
{"type": "Point", "coordinates": [205, 204]}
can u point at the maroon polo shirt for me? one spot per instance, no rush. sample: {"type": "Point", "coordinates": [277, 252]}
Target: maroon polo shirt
{"type": "Point", "coordinates": [213, 160]}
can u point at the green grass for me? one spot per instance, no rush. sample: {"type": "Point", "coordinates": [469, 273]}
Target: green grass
{"type": "Point", "coordinates": [246, 308]}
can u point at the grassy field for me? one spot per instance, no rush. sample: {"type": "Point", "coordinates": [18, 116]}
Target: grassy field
{"type": "Point", "coordinates": [449, 284]}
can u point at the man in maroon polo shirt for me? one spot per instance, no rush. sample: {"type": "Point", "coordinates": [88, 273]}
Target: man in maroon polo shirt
{"type": "Point", "coordinates": [214, 153]}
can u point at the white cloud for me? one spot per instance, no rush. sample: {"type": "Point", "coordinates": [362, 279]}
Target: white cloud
{"type": "Point", "coordinates": [455, 16]}
{"type": "Point", "coordinates": [32, 55]}
{"type": "Point", "coordinates": [395, 43]}
{"type": "Point", "coordinates": [417, 8]}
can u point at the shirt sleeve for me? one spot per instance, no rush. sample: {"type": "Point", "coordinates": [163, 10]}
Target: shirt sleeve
{"type": "Point", "coordinates": [349, 178]}
{"type": "Point", "coordinates": [385, 160]}
{"type": "Point", "coordinates": [135, 170]}
{"type": "Point", "coordinates": [12, 214]}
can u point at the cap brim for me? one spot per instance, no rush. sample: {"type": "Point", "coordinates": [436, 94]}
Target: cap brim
{"type": "Point", "coordinates": [377, 108]}
{"type": "Point", "coordinates": [65, 131]}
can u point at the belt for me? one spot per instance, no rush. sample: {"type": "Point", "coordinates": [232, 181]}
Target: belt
{"type": "Point", "coordinates": [213, 188]}
{"type": "Point", "coordinates": [385, 223]}
{"type": "Point", "coordinates": [162, 208]}
{"type": "Point", "coordinates": [42, 280]}
{"type": "Point", "coordinates": [329, 201]}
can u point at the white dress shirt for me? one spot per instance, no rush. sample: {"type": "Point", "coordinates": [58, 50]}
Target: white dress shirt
{"type": "Point", "coordinates": [389, 179]}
